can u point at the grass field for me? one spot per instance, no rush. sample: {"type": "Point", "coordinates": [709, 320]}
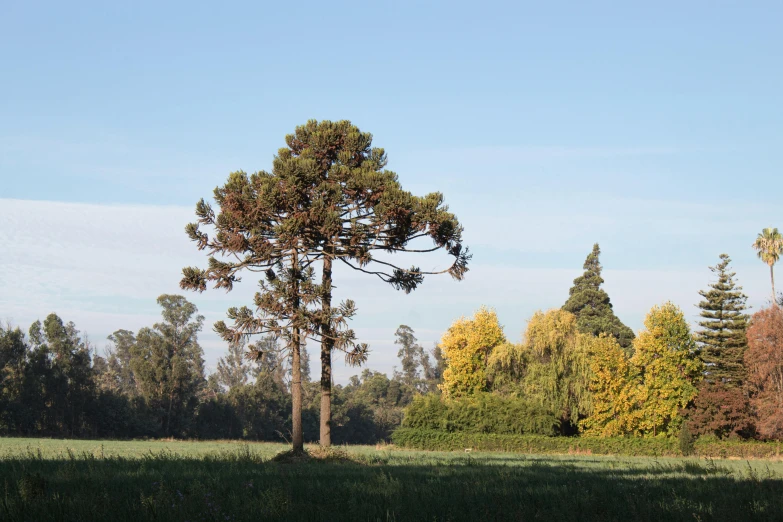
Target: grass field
{"type": "Point", "coordinates": [228, 481]}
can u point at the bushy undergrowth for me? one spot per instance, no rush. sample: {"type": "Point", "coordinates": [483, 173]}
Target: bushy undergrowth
{"type": "Point", "coordinates": [482, 413]}
{"type": "Point", "coordinates": [435, 440]}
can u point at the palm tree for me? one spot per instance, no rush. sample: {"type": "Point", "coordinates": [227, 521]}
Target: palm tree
{"type": "Point", "coordinates": [769, 245]}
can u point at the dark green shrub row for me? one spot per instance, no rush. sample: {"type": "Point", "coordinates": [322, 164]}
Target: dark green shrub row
{"type": "Point", "coordinates": [440, 440]}
{"type": "Point", "coordinates": [435, 440]}
{"type": "Point", "coordinates": [482, 413]}
{"type": "Point", "coordinates": [746, 449]}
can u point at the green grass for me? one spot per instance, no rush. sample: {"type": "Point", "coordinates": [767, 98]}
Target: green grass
{"type": "Point", "coordinates": [228, 481]}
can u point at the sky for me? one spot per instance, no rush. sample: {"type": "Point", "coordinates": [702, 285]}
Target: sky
{"type": "Point", "coordinates": [651, 128]}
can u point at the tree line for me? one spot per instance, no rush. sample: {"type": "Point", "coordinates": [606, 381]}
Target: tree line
{"type": "Point", "coordinates": [329, 199]}
{"type": "Point", "coordinates": [580, 370]}
{"type": "Point", "coordinates": [152, 383]}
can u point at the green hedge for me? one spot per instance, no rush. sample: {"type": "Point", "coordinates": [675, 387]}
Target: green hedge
{"type": "Point", "coordinates": [436, 440]}
{"type": "Point", "coordinates": [482, 413]}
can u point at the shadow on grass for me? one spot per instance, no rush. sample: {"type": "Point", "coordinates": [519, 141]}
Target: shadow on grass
{"type": "Point", "coordinates": [242, 486]}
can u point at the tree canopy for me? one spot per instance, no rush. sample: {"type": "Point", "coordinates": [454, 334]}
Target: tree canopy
{"type": "Point", "coordinates": [764, 359]}
{"type": "Point", "coordinates": [722, 339]}
{"type": "Point", "coordinates": [591, 305]}
{"type": "Point", "coordinates": [769, 246]}
{"type": "Point", "coordinates": [466, 346]}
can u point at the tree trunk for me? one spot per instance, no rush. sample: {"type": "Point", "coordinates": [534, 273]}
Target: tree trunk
{"type": "Point", "coordinates": [296, 369]}
{"type": "Point", "coordinates": [327, 343]}
{"type": "Point", "coordinates": [772, 278]}
{"type": "Point", "coordinates": [296, 392]}
{"type": "Point", "coordinates": [168, 414]}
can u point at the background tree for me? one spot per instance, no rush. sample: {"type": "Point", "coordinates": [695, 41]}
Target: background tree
{"type": "Point", "coordinates": [665, 370]}
{"type": "Point", "coordinates": [232, 369]}
{"type": "Point", "coordinates": [507, 365]}
{"type": "Point", "coordinates": [557, 376]}
{"type": "Point", "coordinates": [722, 339]}
{"type": "Point", "coordinates": [358, 208]}
{"type": "Point", "coordinates": [118, 361]}
{"type": "Point", "coordinates": [13, 363]}
{"type": "Point", "coordinates": [591, 305]}
{"type": "Point", "coordinates": [266, 223]}
{"type": "Point", "coordinates": [609, 386]}
{"type": "Point", "coordinates": [168, 363]}
{"type": "Point", "coordinates": [769, 246]}
{"type": "Point", "coordinates": [764, 360]}
{"type": "Point", "coordinates": [721, 406]}
{"type": "Point", "coordinates": [466, 345]}
{"type": "Point", "coordinates": [414, 360]}
{"type": "Point", "coordinates": [275, 364]}
{"type": "Point", "coordinates": [68, 385]}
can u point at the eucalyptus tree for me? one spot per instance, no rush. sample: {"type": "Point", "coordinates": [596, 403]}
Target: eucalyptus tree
{"type": "Point", "coordinates": [769, 246]}
{"type": "Point", "coordinates": [412, 356]}
{"type": "Point", "coordinates": [359, 210]}
{"type": "Point", "coordinates": [232, 369]}
{"type": "Point", "coordinates": [68, 379]}
{"type": "Point", "coordinates": [118, 361]}
{"type": "Point", "coordinates": [168, 363]}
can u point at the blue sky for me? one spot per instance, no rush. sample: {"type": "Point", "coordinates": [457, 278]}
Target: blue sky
{"type": "Point", "coordinates": [654, 130]}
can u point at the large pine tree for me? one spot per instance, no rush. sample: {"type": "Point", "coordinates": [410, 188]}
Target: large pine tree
{"type": "Point", "coordinates": [721, 407]}
{"type": "Point", "coordinates": [591, 305]}
{"type": "Point", "coordinates": [722, 338]}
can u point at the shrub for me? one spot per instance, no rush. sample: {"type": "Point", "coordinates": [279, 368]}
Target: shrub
{"type": "Point", "coordinates": [481, 413]}
{"type": "Point", "coordinates": [686, 440]}
{"type": "Point", "coordinates": [434, 440]}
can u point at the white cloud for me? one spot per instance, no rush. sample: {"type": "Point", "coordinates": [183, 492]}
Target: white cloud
{"type": "Point", "coordinates": [103, 266]}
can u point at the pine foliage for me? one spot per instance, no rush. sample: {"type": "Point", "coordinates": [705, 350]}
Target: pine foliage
{"type": "Point", "coordinates": [723, 339]}
{"type": "Point", "coordinates": [591, 305]}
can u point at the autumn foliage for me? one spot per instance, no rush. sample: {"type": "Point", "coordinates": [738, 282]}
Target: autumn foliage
{"type": "Point", "coordinates": [764, 362]}
{"type": "Point", "coordinates": [466, 346]}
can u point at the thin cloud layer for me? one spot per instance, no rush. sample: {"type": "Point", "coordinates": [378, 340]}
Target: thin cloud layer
{"type": "Point", "coordinates": [103, 266]}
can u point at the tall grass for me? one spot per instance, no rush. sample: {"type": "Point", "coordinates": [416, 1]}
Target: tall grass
{"type": "Point", "coordinates": [242, 482]}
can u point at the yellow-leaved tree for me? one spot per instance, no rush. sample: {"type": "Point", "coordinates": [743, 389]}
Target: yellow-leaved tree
{"type": "Point", "coordinates": [665, 369]}
{"type": "Point", "coordinates": [610, 388]}
{"type": "Point", "coordinates": [466, 346]}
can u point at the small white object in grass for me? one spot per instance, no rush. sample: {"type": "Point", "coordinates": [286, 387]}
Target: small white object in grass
{"type": "Point", "coordinates": [468, 450]}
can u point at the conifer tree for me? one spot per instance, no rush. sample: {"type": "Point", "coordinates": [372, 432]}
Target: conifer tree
{"type": "Point", "coordinates": [265, 223]}
{"type": "Point", "coordinates": [591, 305]}
{"type": "Point", "coordinates": [722, 338]}
{"type": "Point", "coordinates": [721, 406]}
{"type": "Point", "coordinates": [357, 210]}
{"type": "Point", "coordinates": [328, 199]}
